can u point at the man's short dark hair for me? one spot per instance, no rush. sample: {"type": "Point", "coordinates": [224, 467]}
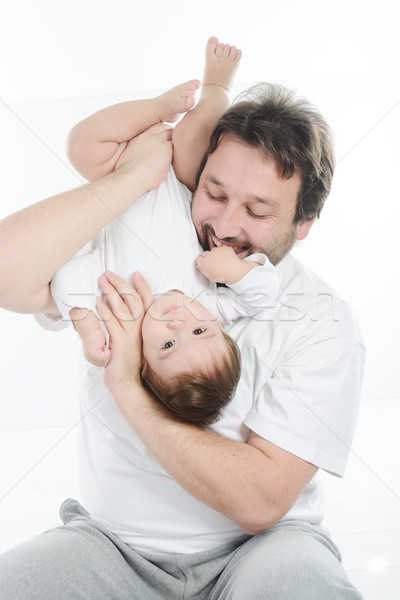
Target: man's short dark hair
{"type": "Point", "coordinates": [288, 130]}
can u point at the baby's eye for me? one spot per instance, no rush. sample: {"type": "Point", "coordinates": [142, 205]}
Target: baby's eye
{"type": "Point", "coordinates": [199, 330]}
{"type": "Point", "coordinates": [167, 345]}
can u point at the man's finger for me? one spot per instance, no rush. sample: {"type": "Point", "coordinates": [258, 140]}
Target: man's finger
{"type": "Point", "coordinates": [111, 323]}
{"type": "Point", "coordinates": [143, 289]}
{"type": "Point", "coordinates": [127, 294]}
{"type": "Point", "coordinates": [117, 304]}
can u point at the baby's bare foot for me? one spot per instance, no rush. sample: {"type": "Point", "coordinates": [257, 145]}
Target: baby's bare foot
{"type": "Point", "coordinates": [178, 100]}
{"type": "Point", "coordinates": [222, 61]}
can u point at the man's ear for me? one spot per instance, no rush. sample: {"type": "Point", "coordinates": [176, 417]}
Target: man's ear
{"type": "Point", "coordinates": [303, 228]}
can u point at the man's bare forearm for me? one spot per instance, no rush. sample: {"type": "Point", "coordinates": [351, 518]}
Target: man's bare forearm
{"type": "Point", "coordinates": [37, 240]}
{"type": "Point", "coordinates": [237, 479]}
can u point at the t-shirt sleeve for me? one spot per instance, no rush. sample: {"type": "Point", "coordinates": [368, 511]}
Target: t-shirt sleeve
{"type": "Point", "coordinates": [51, 322]}
{"type": "Point", "coordinates": [309, 403]}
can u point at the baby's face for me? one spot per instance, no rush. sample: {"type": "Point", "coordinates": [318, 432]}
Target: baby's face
{"type": "Point", "coordinates": [180, 336]}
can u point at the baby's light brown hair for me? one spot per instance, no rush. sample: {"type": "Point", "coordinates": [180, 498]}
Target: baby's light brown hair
{"type": "Point", "coordinates": [199, 398]}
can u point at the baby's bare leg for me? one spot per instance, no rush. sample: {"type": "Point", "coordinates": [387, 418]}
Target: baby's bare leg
{"type": "Point", "coordinates": [191, 135]}
{"type": "Point", "coordinates": [96, 143]}
{"type": "Point", "coordinates": [171, 104]}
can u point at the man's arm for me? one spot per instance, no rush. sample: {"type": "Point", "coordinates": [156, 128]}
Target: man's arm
{"type": "Point", "coordinates": [37, 240]}
{"type": "Point", "coordinates": [253, 483]}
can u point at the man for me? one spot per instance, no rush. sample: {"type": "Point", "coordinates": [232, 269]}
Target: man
{"type": "Point", "coordinates": [176, 511]}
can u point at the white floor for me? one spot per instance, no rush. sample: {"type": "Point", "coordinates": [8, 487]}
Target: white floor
{"type": "Point", "coordinates": [363, 510]}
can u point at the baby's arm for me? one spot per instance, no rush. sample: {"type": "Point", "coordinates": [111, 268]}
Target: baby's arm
{"type": "Point", "coordinates": [93, 337]}
{"type": "Point", "coordinates": [74, 288]}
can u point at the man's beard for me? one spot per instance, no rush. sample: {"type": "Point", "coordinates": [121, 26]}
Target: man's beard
{"type": "Point", "coordinates": [276, 249]}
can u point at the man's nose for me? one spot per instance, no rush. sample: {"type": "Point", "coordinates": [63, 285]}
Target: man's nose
{"type": "Point", "coordinates": [227, 222]}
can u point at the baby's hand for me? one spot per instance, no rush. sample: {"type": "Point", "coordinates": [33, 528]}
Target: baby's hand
{"type": "Point", "coordinates": [95, 348]}
{"type": "Point", "coordinates": [221, 265]}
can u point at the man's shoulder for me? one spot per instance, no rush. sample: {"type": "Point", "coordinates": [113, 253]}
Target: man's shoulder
{"type": "Point", "coordinates": [293, 274]}
{"type": "Point", "coordinates": [307, 308]}
{"type": "Point", "coordinates": [296, 278]}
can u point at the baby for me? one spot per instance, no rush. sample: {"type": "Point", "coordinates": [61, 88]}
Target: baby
{"type": "Point", "coordinates": [189, 362]}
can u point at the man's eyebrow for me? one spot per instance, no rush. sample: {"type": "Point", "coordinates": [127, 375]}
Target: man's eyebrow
{"type": "Point", "coordinates": [252, 197]}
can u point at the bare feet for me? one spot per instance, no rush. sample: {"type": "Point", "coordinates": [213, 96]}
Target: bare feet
{"type": "Point", "coordinates": [222, 61]}
{"type": "Point", "coordinates": [178, 100]}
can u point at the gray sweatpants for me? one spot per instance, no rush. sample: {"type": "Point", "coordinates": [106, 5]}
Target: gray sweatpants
{"type": "Point", "coordinates": [83, 561]}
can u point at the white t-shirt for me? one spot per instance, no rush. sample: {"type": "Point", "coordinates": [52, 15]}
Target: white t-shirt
{"type": "Point", "coordinates": [302, 363]}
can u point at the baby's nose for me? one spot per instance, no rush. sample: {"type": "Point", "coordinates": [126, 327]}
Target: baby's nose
{"type": "Point", "coordinates": [176, 321]}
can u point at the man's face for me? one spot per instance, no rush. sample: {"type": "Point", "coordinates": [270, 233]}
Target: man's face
{"type": "Point", "coordinates": [242, 201]}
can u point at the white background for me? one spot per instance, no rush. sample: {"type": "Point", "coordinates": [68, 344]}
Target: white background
{"type": "Point", "coordinates": [62, 60]}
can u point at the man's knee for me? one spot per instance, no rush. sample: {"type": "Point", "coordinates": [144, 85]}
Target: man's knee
{"type": "Point", "coordinates": [289, 562]}
{"type": "Point", "coordinates": [42, 567]}
{"type": "Point", "coordinates": [26, 570]}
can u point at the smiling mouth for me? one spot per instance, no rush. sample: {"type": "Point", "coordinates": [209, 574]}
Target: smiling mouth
{"type": "Point", "coordinates": [216, 242]}
{"type": "Point", "coordinates": [219, 243]}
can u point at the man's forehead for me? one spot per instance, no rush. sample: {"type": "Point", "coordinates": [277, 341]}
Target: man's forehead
{"type": "Point", "coordinates": [232, 150]}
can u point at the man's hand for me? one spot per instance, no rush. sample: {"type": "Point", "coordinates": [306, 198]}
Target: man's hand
{"type": "Point", "coordinates": [122, 314]}
{"type": "Point", "coordinates": [222, 265]}
{"type": "Point", "coordinates": [143, 289]}
{"type": "Point", "coordinates": [151, 153]}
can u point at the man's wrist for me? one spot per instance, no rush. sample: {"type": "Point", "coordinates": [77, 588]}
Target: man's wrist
{"type": "Point", "coordinates": [134, 401]}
